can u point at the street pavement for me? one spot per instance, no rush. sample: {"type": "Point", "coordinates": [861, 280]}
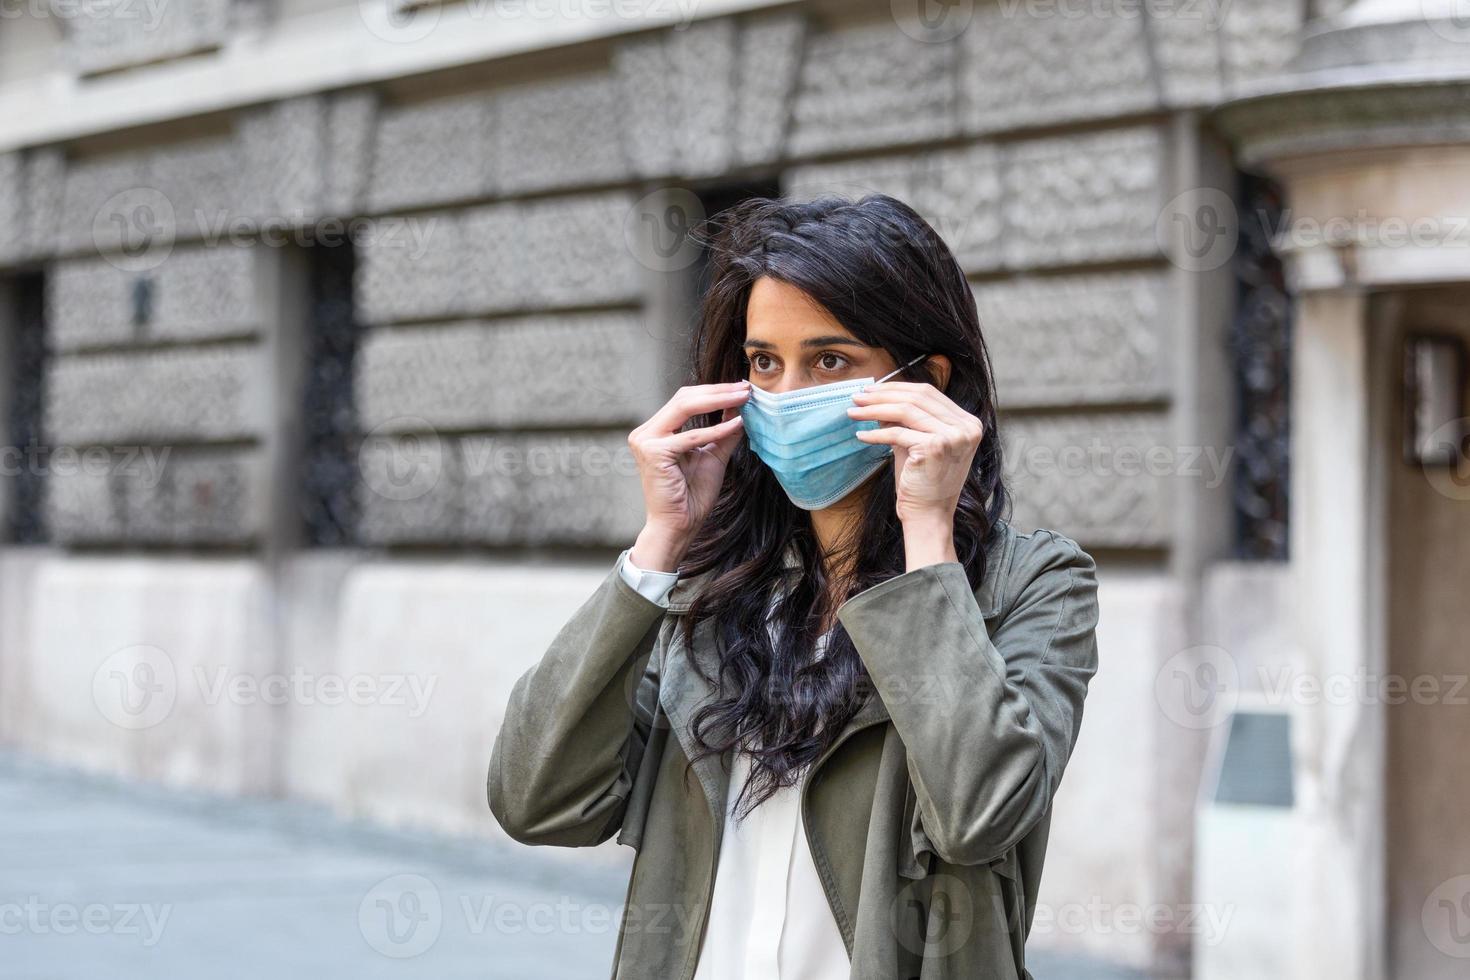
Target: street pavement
{"type": "Point", "coordinates": [110, 880]}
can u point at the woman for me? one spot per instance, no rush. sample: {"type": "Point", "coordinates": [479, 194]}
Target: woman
{"type": "Point", "coordinates": [829, 692]}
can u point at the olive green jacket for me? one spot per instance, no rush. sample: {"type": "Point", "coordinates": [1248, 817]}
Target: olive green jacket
{"type": "Point", "coordinates": [927, 819]}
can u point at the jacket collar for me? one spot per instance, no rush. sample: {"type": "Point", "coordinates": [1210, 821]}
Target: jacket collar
{"type": "Point", "coordinates": [682, 690]}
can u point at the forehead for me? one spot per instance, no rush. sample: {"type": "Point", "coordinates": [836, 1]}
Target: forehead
{"type": "Point", "coordinates": [777, 310]}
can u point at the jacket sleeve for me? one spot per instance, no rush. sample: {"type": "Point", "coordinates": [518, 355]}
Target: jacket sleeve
{"type": "Point", "coordinates": [988, 720]}
{"type": "Point", "coordinates": [578, 721]}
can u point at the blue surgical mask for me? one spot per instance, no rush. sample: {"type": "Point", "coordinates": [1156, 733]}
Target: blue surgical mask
{"type": "Point", "coordinates": [807, 439]}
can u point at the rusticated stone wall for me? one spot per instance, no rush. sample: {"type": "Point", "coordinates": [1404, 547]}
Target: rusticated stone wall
{"type": "Point", "coordinates": [168, 406]}
{"type": "Point", "coordinates": [511, 331]}
{"type": "Point", "coordinates": [1072, 340]}
{"type": "Point", "coordinates": [510, 328]}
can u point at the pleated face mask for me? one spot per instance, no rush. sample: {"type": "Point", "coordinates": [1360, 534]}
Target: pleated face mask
{"type": "Point", "coordinates": [807, 439]}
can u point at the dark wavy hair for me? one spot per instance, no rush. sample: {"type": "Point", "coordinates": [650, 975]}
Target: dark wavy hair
{"type": "Point", "coordinates": [888, 278]}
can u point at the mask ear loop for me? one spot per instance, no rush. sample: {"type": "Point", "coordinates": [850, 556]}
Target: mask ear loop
{"type": "Point", "coordinates": [903, 367]}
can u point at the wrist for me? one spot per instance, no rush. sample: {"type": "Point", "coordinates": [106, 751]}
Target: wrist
{"type": "Point", "coordinates": [928, 539]}
{"type": "Point", "coordinates": [658, 550]}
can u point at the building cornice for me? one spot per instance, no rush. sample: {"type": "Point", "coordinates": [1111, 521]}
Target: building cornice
{"type": "Point", "coordinates": [336, 49]}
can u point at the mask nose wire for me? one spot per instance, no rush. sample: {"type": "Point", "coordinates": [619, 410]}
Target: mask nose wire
{"type": "Point", "coordinates": [902, 367]}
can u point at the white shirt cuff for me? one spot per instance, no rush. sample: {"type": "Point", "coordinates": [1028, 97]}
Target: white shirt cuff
{"type": "Point", "coordinates": [652, 585]}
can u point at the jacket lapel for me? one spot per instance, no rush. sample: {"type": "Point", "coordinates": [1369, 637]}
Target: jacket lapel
{"type": "Point", "coordinates": [681, 692]}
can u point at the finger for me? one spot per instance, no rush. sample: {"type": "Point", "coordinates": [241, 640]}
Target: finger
{"type": "Point", "coordinates": [893, 435]}
{"type": "Point", "coordinates": [898, 386]}
{"type": "Point", "coordinates": [724, 446]}
{"type": "Point", "coordinates": [683, 442]}
{"type": "Point", "coordinates": [961, 424]}
{"type": "Point", "coordinates": [901, 413]}
{"type": "Point", "coordinates": [931, 399]}
{"type": "Point", "coordinates": [696, 400]}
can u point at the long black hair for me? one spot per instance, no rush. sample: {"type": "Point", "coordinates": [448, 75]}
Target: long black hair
{"type": "Point", "coordinates": [888, 278]}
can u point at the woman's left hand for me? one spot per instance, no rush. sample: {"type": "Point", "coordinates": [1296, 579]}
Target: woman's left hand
{"type": "Point", "coordinates": [934, 443]}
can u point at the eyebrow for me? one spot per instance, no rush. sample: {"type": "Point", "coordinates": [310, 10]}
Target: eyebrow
{"type": "Point", "coordinates": [809, 342]}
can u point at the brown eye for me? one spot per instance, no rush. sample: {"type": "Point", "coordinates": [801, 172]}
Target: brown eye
{"type": "Point", "coordinates": [831, 362]}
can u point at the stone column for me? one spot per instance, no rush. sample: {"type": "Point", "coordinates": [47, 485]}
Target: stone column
{"type": "Point", "coordinates": [1338, 912]}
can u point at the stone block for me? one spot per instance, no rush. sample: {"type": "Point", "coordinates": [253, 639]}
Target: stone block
{"type": "Point", "coordinates": [958, 191]}
{"type": "Point", "coordinates": [45, 194]}
{"type": "Point", "coordinates": [432, 152]}
{"type": "Point", "coordinates": [495, 375]}
{"type": "Point", "coordinates": [554, 252]}
{"type": "Point", "coordinates": [1077, 339]}
{"type": "Point", "coordinates": [197, 293]}
{"type": "Point", "coordinates": [12, 206]}
{"type": "Point", "coordinates": [351, 126]}
{"type": "Point", "coordinates": [1103, 478]}
{"type": "Point", "coordinates": [550, 489]}
{"type": "Point", "coordinates": [409, 489]}
{"type": "Point", "coordinates": [873, 85]}
{"type": "Point", "coordinates": [80, 505]}
{"type": "Point", "coordinates": [286, 163]}
{"type": "Point", "coordinates": [1258, 38]}
{"type": "Point", "coordinates": [700, 100]}
{"type": "Point", "coordinates": [156, 496]}
{"type": "Point", "coordinates": [556, 134]}
{"type": "Point", "coordinates": [117, 34]}
{"type": "Point", "coordinates": [769, 60]}
{"type": "Point", "coordinates": [205, 394]}
{"type": "Point", "coordinates": [1090, 197]}
{"type": "Point", "coordinates": [1027, 65]}
{"type": "Point", "coordinates": [107, 205]}
{"type": "Point", "coordinates": [531, 489]}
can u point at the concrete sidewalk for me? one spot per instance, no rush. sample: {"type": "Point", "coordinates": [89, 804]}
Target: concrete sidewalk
{"type": "Point", "coordinates": [101, 878]}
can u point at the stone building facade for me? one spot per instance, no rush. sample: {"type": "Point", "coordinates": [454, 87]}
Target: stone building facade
{"type": "Point", "coordinates": [332, 318]}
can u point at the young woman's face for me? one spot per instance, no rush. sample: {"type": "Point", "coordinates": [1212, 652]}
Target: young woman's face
{"type": "Point", "coordinates": [791, 341]}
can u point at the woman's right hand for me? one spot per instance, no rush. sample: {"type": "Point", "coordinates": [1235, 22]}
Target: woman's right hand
{"type": "Point", "coordinates": [682, 471]}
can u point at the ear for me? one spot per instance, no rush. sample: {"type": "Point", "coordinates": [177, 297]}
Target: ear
{"type": "Point", "coordinates": [938, 368]}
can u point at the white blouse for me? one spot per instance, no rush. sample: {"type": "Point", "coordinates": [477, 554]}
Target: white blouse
{"type": "Point", "coordinates": [769, 916]}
